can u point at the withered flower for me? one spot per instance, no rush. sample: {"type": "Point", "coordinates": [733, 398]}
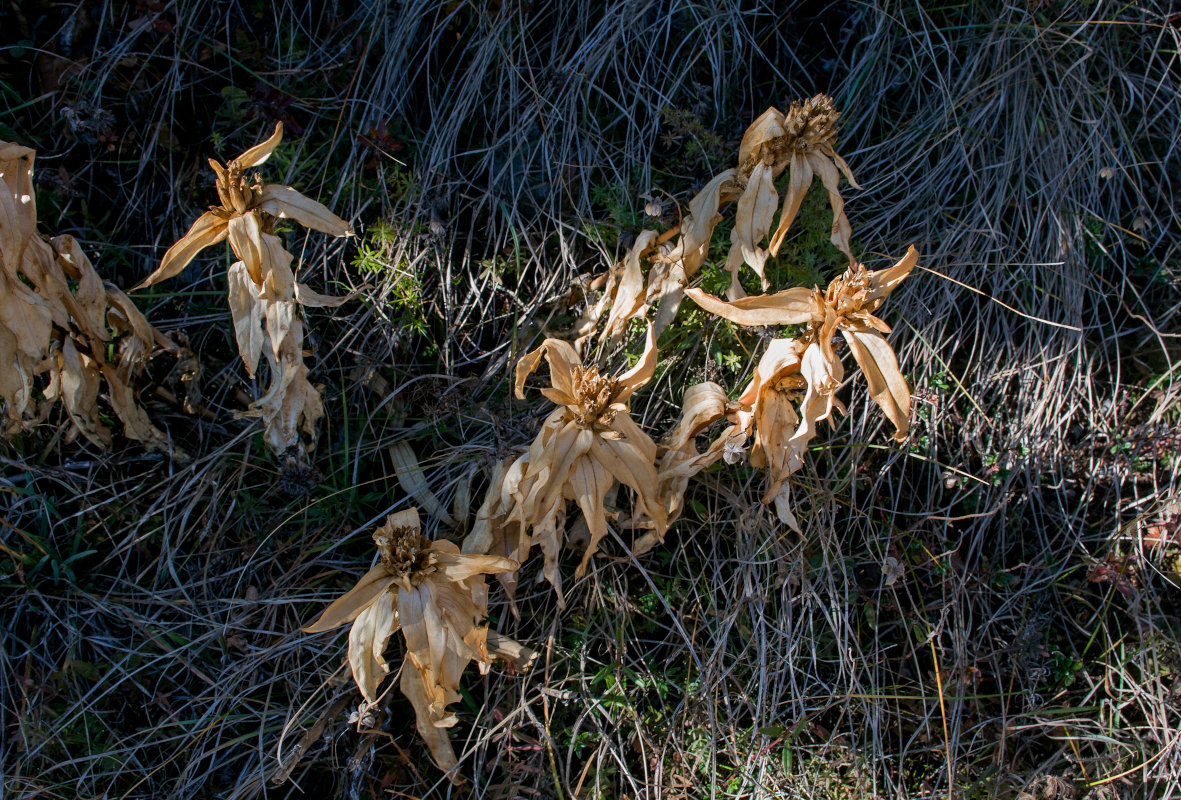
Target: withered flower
{"type": "Point", "coordinates": [584, 446]}
{"type": "Point", "coordinates": [802, 141]}
{"type": "Point", "coordinates": [809, 136]}
{"type": "Point", "coordinates": [439, 599]}
{"type": "Point", "coordinates": [811, 365]}
{"type": "Point", "coordinates": [249, 208]}
{"type": "Point", "coordinates": [263, 292]}
{"type": "Point", "coordinates": [678, 460]}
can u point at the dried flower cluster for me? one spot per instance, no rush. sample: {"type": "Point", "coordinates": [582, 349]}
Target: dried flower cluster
{"type": "Point", "coordinates": [439, 599]}
{"type": "Point", "coordinates": [59, 319]}
{"type": "Point", "coordinates": [589, 446]}
{"type": "Point", "coordinates": [263, 292]}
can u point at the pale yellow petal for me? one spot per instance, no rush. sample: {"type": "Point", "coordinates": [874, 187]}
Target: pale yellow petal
{"type": "Point", "coordinates": [310, 298]}
{"type": "Point", "coordinates": [79, 391]}
{"type": "Point", "coordinates": [781, 357]}
{"type": "Point", "coordinates": [628, 302]}
{"type": "Point", "coordinates": [462, 567]}
{"type": "Point", "coordinates": [572, 443]}
{"type": "Point", "coordinates": [764, 130]}
{"type": "Point", "coordinates": [88, 303]}
{"type": "Point", "coordinates": [823, 375]}
{"type": "Point", "coordinates": [589, 482]}
{"type": "Point", "coordinates": [702, 405]}
{"type": "Point", "coordinates": [562, 360]}
{"type": "Point", "coordinates": [752, 221]}
{"type": "Point", "coordinates": [841, 165]}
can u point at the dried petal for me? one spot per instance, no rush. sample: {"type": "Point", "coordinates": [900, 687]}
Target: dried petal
{"type": "Point", "coordinates": [246, 309]}
{"type": "Point", "coordinates": [642, 372]}
{"type": "Point", "coordinates": [887, 387]}
{"type": "Point", "coordinates": [286, 203]}
{"type": "Point", "coordinates": [79, 391]}
{"type": "Point", "coordinates": [346, 608]}
{"type": "Point", "coordinates": [245, 237]}
{"type": "Point", "coordinates": [209, 229]}
{"type": "Point", "coordinates": [257, 155]}
{"type": "Point", "coordinates": [562, 360]}
{"type": "Point", "coordinates": [841, 230]}
{"type": "Point", "coordinates": [628, 301]}
{"type": "Point", "coordinates": [413, 481]}
{"type": "Point", "coordinates": [882, 282]}
{"type": "Point", "coordinates": [368, 638]}
{"type": "Point", "coordinates": [752, 221]}
{"type": "Point", "coordinates": [789, 307]}
{"type": "Point", "coordinates": [800, 178]}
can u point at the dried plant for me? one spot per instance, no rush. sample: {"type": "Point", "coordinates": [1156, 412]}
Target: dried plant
{"type": "Point", "coordinates": [497, 530]}
{"type": "Point", "coordinates": [585, 445]}
{"type": "Point", "coordinates": [58, 317]}
{"type": "Point", "coordinates": [811, 365]}
{"type": "Point", "coordinates": [438, 597]}
{"type": "Point", "coordinates": [263, 292]}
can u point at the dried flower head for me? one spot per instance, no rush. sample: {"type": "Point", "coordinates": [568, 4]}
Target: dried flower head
{"type": "Point", "coordinates": [59, 319]}
{"type": "Point", "coordinates": [802, 142]}
{"type": "Point", "coordinates": [439, 599]}
{"type": "Point", "coordinates": [585, 445]}
{"type": "Point", "coordinates": [811, 124]}
{"type": "Point", "coordinates": [810, 364]}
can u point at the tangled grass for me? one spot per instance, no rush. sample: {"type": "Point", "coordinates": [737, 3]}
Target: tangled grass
{"type": "Point", "coordinates": [987, 610]}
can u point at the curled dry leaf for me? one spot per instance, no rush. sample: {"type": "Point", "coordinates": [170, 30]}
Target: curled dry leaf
{"type": "Point", "coordinates": [62, 330]}
{"type": "Point", "coordinates": [810, 136]}
{"type": "Point", "coordinates": [438, 597]}
{"type": "Point", "coordinates": [263, 292]}
{"type": "Point", "coordinates": [499, 531]}
{"type": "Point", "coordinates": [679, 459]}
{"type": "Point", "coordinates": [801, 142]}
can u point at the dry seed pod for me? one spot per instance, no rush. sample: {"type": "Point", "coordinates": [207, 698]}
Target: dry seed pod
{"type": "Point", "coordinates": [438, 598]}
